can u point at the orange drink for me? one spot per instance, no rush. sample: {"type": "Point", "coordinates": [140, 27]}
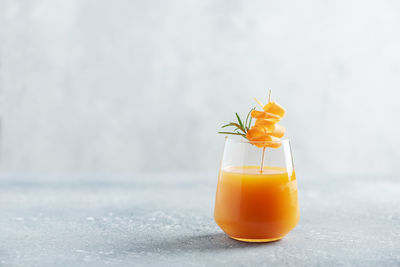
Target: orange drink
{"type": "Point", "coordinates": [256, 206]}
{"type": "Point", "coordinates": [256, 199]}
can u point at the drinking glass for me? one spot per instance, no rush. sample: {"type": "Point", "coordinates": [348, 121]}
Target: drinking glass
{"type": "Point", "coordinates": [256, 199]}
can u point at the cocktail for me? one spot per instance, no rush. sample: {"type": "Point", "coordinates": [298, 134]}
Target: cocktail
{"type": "Point", "coordinates": [256, 198]}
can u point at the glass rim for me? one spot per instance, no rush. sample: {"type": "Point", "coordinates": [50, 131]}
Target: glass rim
{"type": "Point", "coordinates": [243, 140]}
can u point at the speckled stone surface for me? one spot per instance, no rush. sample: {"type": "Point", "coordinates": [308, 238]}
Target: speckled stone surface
{"type": "Point", "coordinates": [167, 220]}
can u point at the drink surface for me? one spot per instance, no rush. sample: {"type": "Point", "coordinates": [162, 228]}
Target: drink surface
{"type": "Point", "coordinates": [254, 205]}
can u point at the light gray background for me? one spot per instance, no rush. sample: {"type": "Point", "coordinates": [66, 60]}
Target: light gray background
{"type": "Point", "coordinates": [145, 85]}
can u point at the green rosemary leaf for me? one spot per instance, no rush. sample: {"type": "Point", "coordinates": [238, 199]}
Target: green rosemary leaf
{"type": "Point", "coordinates": [247, 117]}
{"type": "Point", "coordinates": [244, 135]}
{"type": "Point", "coordinates": [239, 120]}
{"type": "Point", "coordinates": [249, 125]}
{"type": "Point", "coordinates": [236, 125]}
{"type": "Point", "coordinates": [245, 123]}
{"type": "Point", "coordinates": [231, 133]}
{"type": "Point", "coordinates": [226, 125]}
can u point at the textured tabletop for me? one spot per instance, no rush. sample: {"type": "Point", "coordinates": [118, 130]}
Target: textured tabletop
{"type": "Point", "coordinates": [167, 220]}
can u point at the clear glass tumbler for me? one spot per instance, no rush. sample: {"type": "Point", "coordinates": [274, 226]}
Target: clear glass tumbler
{"type": "Point", "coordinates": [256, 198]}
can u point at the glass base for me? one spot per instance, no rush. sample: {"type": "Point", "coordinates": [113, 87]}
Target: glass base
{"type": "Point", "coordinates": [257, 240]}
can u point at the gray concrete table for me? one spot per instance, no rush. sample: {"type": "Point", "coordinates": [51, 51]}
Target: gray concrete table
{"type": "Point", "coordinates": [167, 220]}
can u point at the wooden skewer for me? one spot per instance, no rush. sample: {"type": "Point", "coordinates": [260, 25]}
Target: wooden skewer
{"type": "Point", "coordinates": [262, 160]}
{"type": "Point", "coordinates": [269, 95]}
{"type": "Point", "coordinates": [261, 104]}
{"type": "Point", "coordinates": [263, 152]}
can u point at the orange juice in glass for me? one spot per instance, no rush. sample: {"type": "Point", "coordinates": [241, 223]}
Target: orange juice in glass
{"type": "Point", "coordinates": [256, 199]}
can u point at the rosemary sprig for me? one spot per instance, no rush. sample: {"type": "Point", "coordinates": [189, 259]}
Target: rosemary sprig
{"type": "Point", "coordinates": [240, 128]}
